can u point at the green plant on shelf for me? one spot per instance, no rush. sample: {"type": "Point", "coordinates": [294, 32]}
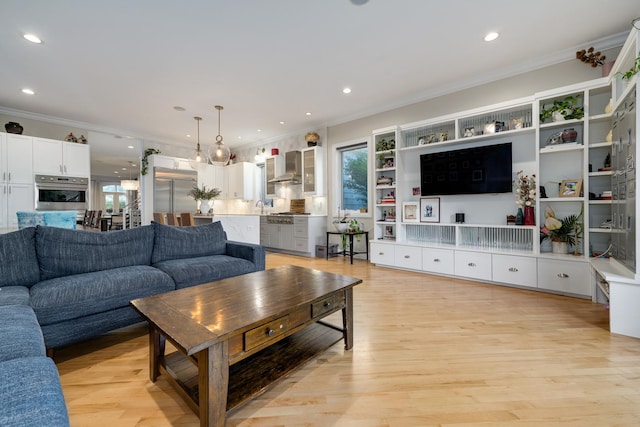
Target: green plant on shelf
{"type": "Point", "coordinates": [567, 109]}
{"type": "Point", "coordinates": [145, 159]}
{"type": "Point", "coordinates": [635, 68]}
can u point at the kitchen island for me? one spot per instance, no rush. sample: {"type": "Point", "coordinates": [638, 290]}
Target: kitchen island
{"type": "Point", "coordinates": [239, 228]}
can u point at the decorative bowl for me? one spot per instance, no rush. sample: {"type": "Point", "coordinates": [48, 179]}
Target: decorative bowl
{"type": "Point", "coordinates": [341, 227]}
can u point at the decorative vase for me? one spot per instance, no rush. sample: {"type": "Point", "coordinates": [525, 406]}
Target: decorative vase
{"type": "Point", "coordinates": [569, 135]}
{"type": "Point", "coordinates": [519, 217]}
{"type": "Point", "coordinates": [529, 217]}
{"type": "Point", "coordinates": [198, 204]}
{"type": "Point", "coordinates": [210, 204]}
{"type": "Point", "coordinates": [557, 116]}
{"type": "Point", "coordinates": [13, 127]}
{"type": "Point", "coordinates": [559, 247]}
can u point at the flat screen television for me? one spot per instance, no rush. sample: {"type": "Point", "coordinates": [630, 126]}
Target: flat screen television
{"type": "Point", "coordinates": [474, 170]}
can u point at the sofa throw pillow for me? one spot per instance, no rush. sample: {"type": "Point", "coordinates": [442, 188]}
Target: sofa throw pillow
{"type": "Point", "coordinates": [62, 252]}
{"type": "Point", "coordinates": [19, 265]}
{"type": "Point", "coordinates": [173, 242]}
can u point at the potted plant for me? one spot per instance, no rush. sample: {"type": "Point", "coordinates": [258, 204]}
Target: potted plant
{"type": "Point", "coordinates": [565, 109]}
{"type": "Point", "coordinates": [562, 232]}
{"type": "Point", "coordinates": [200, 194]}
{"type": "Point", "coordinates": [342, 223]}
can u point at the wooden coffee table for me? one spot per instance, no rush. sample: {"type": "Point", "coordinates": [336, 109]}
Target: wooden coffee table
{"type": "Point", "coordinates": [238, 335]}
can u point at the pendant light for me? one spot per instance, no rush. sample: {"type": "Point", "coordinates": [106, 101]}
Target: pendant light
{"type": "Point", "coordinates": [221, 153]}
{"type": "Point", "coordinates": [198, 156]}
{"type": "Point", "coordinates": [130, 184]}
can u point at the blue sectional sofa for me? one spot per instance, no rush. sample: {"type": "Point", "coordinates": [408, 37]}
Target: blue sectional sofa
{"type": "Point", "coordinates": [60, 286]}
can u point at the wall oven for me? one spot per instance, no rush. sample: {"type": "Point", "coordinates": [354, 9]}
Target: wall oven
{"type": "Point", "coordinates": [61, 193]}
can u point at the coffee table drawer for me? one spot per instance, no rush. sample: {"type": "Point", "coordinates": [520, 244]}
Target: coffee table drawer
{"type": "Point", "coordinates": [266, 332]}
{"type": "Point", "coordinates": [328, 304]}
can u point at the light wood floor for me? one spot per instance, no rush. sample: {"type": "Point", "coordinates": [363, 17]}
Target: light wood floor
{"type": "Point", "coordinates": [429, 351]}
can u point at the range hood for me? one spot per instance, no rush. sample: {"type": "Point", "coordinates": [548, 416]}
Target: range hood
{"type": "Point", "coordinates": [292, 167]}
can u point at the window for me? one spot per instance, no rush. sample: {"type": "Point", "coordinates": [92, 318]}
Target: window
{"type": "Point", "coordinates": [115, 198]}
{"type": "Point", "coordinates": [353, 176]}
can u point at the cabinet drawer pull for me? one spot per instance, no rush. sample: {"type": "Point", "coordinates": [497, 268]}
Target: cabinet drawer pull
{"type": "Point", "coordinates": [436, 260]}
{"type": "Point", "coordinates": [513, 270]}
{"type": "Point", "coordinates": [407, 257]}
{"type": "Point", "coordinates": [472, 264]}
{"type": "Point", "coordinates": [270, 332]}
{"type": "Point", "coordinates": [563, 275]}
{"type": "Point", "coordinates": [327, 304]}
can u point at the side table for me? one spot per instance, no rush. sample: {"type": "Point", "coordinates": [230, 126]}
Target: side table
{"type": "Point", "coordinates": [350, 235]}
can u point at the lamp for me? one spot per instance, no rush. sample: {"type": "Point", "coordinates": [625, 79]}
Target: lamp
{"type": "Point", "coordinates": [221, 153]}
{"type": "Point", "coordinates": [198, 156]}
{"type": "Point", "coordinates": [130, 184]}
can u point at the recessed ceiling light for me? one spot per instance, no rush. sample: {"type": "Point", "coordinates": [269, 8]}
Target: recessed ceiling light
{"type": "Point", "coordinates": [32, 38]}
{"type": "Point", "coordinates": [131, 147]}
{"type": "Point", "coordinates": [28, 91]}
{"type": "Point", "coordinates": [259, 130]}
{"type": "Point", "coordinates": [281, 123]}
{"type": "Point", "coordinates": [116, 172]}
{"type": "Point", "coordinates": [239, 137]}
{"type": "Point", "coordinates": [178, 108]}
{"type": "Point", "coordinates": [491, 36]}
{"type": "Point", "coordinates": [346, 90]}
{"type": "Point", "coordinates": [308, 114]}
{"type": "Point", "coordinates": [124, 169]}
{"type": "Point", "coordinates": [188, 135]}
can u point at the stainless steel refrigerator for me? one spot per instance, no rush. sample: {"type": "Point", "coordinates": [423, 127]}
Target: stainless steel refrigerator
{"type": "Point", "coordinates": [171, 190]}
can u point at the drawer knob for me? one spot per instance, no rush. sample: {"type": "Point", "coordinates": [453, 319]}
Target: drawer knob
{"type": "Point", "coordinates": [436, 260]}
{"type": "Point", "coordinates": [563, 275]}
{"type": "Point", "coordinates": [270, 332]}
{"type": "Point", "coordinates": [407, 257]}
{"type": "Point", "coordinates": [513, 270]}
{"type": "Point", "coordinates": [471, 264]}
{"type": "Point", "coordinates": [380, 253]}
{"type": "Point", "coordinates": [327, 304]}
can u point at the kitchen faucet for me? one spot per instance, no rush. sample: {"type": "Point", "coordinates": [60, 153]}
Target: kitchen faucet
{"type": "Point", "coordinates": [260, 204]}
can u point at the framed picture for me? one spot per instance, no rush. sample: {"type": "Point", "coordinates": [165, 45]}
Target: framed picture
{"type": "Point", "coordinates": [415, 191]}
{"type": "Point", "coordinates": [430, 209]}
{"type": "Point", "coordinates": [571, 188]}
{"type": "Point", "coordinates": [410, 212]}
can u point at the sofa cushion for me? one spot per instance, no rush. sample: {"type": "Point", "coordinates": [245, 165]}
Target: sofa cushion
{"type": "Point", "coordinates": [194, 271]}
{"type": "Point", "coordinates": [187, 242]}
{"type": "Point", "coordinates": [19, 266]}
{"type": "Point", "coordinates": [14, 295]}
{"type": "Point", "coordinates": [70, 297]}
{"type": "Point", "coordinates": [63, 252]}
{"type": "Point", "coordinates": [31, 394]}
{"type": "Point", "coordinates": [20, 333]}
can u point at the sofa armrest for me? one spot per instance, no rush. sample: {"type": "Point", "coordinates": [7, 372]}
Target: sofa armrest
{"type": "Point", "coordinates": [248, 251]}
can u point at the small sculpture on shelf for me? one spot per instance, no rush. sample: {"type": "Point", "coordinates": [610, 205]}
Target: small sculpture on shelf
{"type": "Point", "coordinates": [70, 138]}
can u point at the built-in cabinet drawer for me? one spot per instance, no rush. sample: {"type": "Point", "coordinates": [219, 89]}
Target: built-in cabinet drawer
{"type": "Point", "coordinates": [437, 260]}
{"type": "Point", "coordinates": [382, 253]}
{"type": "Point", "coordinates": [564, 276]}
{"type": "Point", "coordinates": [408, 257]}
{"type": "Point", "coordinates": [475, 265]}
{"type": "Point", "coordinates": [266, 332]}
{"type": "Point", "coordinates": [515, 270]}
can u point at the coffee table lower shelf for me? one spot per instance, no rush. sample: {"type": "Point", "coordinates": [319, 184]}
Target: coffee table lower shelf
{"type": "Point", "coordinates": [250, 377]}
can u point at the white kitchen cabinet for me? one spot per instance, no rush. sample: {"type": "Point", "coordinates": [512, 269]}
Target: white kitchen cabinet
{"type": "Point", "coordinates": [382, 253]}
{"type": "Point", "coordinates": [212, 176]}
{"type": "Point", "coordinates": [436, 260]}
{"type": "Point", "coordinates": [515, 270]}
{"type": "Point", "coordinates": [53, 157]}
{"type": "Point", "coordinates": [313, 172]}
{"type": "Point", "coordinates": [240, 180]}
{"type": "Point", "coordinates": [475, 265]}
{"type": "Point", "coordinates": [273, 167]}
{"type": "Point", "coordinates": [409, 257]}
{"type": "Point", "coordinates": [572, 277]}
{"type": "Point", "coordinates": [16, 178]}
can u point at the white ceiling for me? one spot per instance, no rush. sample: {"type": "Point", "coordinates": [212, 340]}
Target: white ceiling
{"type": "Point", "coordinates": [120, 66]}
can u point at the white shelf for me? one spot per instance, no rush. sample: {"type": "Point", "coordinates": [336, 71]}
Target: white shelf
{"type": "Point", "coordinates": [600, 202]}
{"type": "Point", "coordinates": [561, 123]}
{"type": "Point", "coordinates": [562, 199]}
{"type": "Point", "coordinates": [600, 230]}
{"type": "Point", "coordinates": [603, 173]}
{"type": "Point", "coordinates": [600, 117]}
{"type": "Point", "coordinates": [601, 144]}
{"type": "Point", "coordinates": [570, 146]}
{"type": "Point", "coordinates": [386, 169]}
